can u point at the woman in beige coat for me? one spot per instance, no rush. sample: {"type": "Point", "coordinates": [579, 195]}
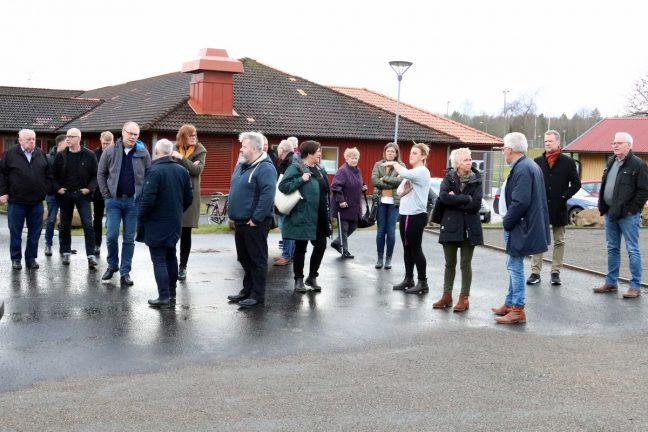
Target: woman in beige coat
{"type": "Point", "coordinates": [190, 154]}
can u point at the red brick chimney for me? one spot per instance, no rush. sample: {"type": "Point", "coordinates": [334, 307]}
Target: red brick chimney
{"type": "Point", "coordinates": [212, 84]}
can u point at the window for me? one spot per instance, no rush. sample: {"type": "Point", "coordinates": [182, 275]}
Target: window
{"type": "Point", "coordinates": [330, 159]}
{"type": "Point", "coordinates": [9, 142]}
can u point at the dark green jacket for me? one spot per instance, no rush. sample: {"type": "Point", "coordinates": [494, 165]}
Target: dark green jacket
{"type": "Point", "coordinates": [391, 181]}
{"type": "Point", "coordinates": [301, 223]}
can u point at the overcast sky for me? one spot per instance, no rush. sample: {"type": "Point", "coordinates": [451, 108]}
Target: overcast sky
{"type": "Point", "coordinates": [569, 55]}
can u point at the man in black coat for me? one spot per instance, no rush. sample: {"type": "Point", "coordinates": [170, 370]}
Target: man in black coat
{"type": "Point", "coordinates": [561, 183]}
{"type": "Point", "coordinates": [25, 179]}
{"type": "Point", "coordinates": [166, 194]}
{"type": "Point", "coordinates": [98, 203]}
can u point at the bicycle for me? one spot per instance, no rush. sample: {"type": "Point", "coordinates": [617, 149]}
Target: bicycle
{"type": "Point", "coordinates": [217, 210]}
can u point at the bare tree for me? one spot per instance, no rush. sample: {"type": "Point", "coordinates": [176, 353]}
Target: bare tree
{"type": "Point", "coordinates": [638, 101]}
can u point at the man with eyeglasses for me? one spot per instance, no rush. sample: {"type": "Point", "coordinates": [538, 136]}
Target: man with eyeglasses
{"type": "Point", "coordinates": [624, 190]}
{"type": "Point", "coordinates": [121, 176]}
{"type": "Point", "coordinates": [25, 179]}
{"type": "Point", "coordinates": [75, 179]}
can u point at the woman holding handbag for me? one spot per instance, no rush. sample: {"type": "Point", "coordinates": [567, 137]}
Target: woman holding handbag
{"type": "Point", "coordinates": [346, 201]}
{"type": "Point", "coordinates": [386, 181]}
{"type": "Point", "coordinates": [461, 196]}
{"type": "Point", "coordinates": [309, 220]}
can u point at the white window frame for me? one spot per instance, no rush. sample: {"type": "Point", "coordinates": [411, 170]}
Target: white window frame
{"type": "Point", "coordinates": [328, 163]}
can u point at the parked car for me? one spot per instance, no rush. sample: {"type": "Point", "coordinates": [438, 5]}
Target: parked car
{"type": "Point", "coordinates": [580, 201]}
{"type": "Point", "coordinates": [484, 211]}
{"type": "Point", "coordinates": [593, 187]}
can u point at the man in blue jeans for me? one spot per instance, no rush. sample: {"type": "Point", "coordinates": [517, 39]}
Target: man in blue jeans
{"type": "Point", "coordinates": [121, 176]}
{"type": "Point", "coordinates": [25, 178]}
{"type": "Point", "coordinates": [526, 224]}
{"type": "Point", "coordinates": [50, 199]}
{"type": "Point", "coordinates": [624, 190]}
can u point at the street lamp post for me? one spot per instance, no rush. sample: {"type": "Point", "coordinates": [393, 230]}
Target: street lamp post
{"type": "Point", "coordinates": [504, 110]}
{"type": "Point", "coordinates": [400, 67]}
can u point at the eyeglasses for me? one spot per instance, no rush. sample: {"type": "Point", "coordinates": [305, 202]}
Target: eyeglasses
{"type": "Point", "coordinates": [619, 142]}
{"type": "Point", "coordinates": [72, 136]}
{"type": "Point", "coordinates": [131, 133]}
{"type": "Point", "coordinates": [193, 136]}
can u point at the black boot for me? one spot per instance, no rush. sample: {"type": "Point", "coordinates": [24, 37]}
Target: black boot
{"type": "Point", "coordinates": [407, 283]}
{"type": "Point", "coordinates": [299, 285]}
{"type": "Point", "coordinates": [311, 281]}
{"type": "Point", "coordinates": [420, 288]}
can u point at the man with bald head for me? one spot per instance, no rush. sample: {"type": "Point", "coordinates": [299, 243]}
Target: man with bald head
{"type": "Point", "coordinates": [121, 176]}
{"type": "Point", "coordinates": [75, 179]}
{"type": "Point", "coordinates": [25, 178]}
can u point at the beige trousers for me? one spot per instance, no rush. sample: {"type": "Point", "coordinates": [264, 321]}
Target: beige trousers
{"type": "Point", "coordinates": [558, 252]}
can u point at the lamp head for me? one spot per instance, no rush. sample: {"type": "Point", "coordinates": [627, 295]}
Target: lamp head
{"type": "Point", "coordinates": [400, 67]}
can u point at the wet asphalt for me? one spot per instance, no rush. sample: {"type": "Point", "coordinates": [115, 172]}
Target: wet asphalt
{"type": "Point", "coordinates": [61, 323]}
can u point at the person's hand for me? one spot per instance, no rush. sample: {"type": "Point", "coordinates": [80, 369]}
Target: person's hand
{"type": "Point", "coordinates": [344, 204]}
{"type": "Point", "coordinates": [306, 176]}
{"type": "Point", "coordinates": [84, 191]}
{"type": "Point", "coordinates": [451, 193]}
{"type": "Point", "coordinates": [364, 188]}
{"type": "Point", "coordinates": [176, 155]}
{"type": "Point", "coordinates": [4, 198]}
{"type": "Point", "coordinates": [251, 223]}
{"type": "Point", "coordinates": [196, 162]}
{"type": "Point", "coordinates": [61, 191]}
{"type": "Point", "coordinates": [388, 163]}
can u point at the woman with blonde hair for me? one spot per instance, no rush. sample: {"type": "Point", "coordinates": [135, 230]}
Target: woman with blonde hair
{"type": "Point", "coordinates": [346, 199]}
{"type": "Point", "coordinates": [460, 195]}
{"type": "Point", "coordinates": [386, 181]}
{"type": "Point", "coordinates": [413, 192]}
{"type": "Point", "coordinates": [190, 154]}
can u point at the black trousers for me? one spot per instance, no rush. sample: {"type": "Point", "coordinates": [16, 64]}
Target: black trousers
{"type": "Point", "coordinates": [99, 207]}
{"type": "Point", "coordinates": [411, 233]}
{"type": "Point", "coordinates": [319, 247]}
{"type": "Point", "coordinates": [185, 246]}
{"type": "Point", "coordinates": [66, 203]}
{"type": "Point", "coordinates": [252, 253]}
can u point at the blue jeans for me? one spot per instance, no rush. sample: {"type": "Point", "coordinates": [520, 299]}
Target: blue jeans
{"type": "Point", "coordinates": [165, 269]}
{"type": "Point", "coordinates": [386, 218]}
{"type": "Point", "coordinates": [629, 228]}
{"type": "Point", "coordinates": [52, 211]}
{"type": "Point", "coordinates": [120, 210]}
{"type": "Point", "coordinates": [517, 287]}
{"type": "Point", "coordinates": [288, 246]}
{"type": "Point", "coordinates": [16, 217]}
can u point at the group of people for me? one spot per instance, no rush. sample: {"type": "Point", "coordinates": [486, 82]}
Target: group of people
{"type": "Point", "coordinates": [162, 195]}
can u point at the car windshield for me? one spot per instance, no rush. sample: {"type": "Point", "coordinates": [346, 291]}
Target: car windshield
{"type": "Point", "coordinates": [582, 193]}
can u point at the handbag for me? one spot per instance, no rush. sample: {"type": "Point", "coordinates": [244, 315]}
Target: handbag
{"type": "Point", "coordinates": [286, 202]}
{"type": "Point", "coordinates": [368, 219]}
{"type": "Point", "coordinates": [437, 213]}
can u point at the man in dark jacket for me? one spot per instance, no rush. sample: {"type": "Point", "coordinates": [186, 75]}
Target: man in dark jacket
{"type": "Point", "coordinates": [166, 194]}
{"type": "Point", "coordinates": [284, 160]}
{"type": "Point", "coordinates": [624, 190]}
{"type": "Point", "coordinates": [25, 179]}
{"type": "Point", "coordinates": [75, 179]}
{"type": "Point", "coordinates": [526, 223]}
{"type": "Point", "coordinates": [98, 204]}
{"type": "Point", "coordinates": [50, 199]}
{"type": "Point", "coordinates": [561, 183]}
{"type": "Point", "coordinates": [251, 200]}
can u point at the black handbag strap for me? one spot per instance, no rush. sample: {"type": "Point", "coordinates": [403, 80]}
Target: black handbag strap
{"type": "Point", "coordinates": [365, 197]}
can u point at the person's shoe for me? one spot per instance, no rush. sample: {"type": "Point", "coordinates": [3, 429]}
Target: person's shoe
{"type": "Point", "coordinates": [462, 305]}
{"type": "Point", "coordinates": [555, 278]}
{"type": "Point", "coordinates": [444, 302]}
{"type": "Point", "coordinates": [92, 263]}
{"type": "Point", "coordinates": [420, 288]}
{"type": "Point", "coordinates": [182, 273]}
{"type": "Point", "coordinates": [347, 255]}
{"type": "Point", "coordinates": [15, 264]}
{"type": "Point", "coordinates": [311, 281]}
{"type": "Point", "coordinates": [632, 293]}
{"type": "Point", "coordinates": [126, 281]}
{"type": "Point", "coordinates": [282, 261]}
{"type": "Point", "coordinates": [108, 274]}
{"type": "Point", "coordinates": [606, 288]}
{"type": "Point", "coordinates": [97, 250]}
{"type": "Point", "coordinates": [32, 264]}
{"type": "Point", "coordinates": [48, 250]}
{"type": "Point", "coordinates": [408, 282]}
{"type": "Point", "coordinates": [533, 279]}
{"type": "Point", "coordinates": [66, 259]}
{"type": "Point", "coordinates": [379, 263]}
{"type": "Point", "coordinates": [336, 247]}
{"type": "Point", "coordinates": [502, 310]}
{"type": "Point", "coordinates": [249, 303]}
{"type": "Point", "coordinates": [299, 285]}
{"type": "Point", "coordinates": [235, 298]}
{"type": "Point", "coordinates": [388, 263]}
{"type": "Point", "coordinates": [159, 302]}
{"type": "Point", "coordinates": [515, 316]}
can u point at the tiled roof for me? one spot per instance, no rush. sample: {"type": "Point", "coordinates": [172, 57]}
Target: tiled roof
{"type": "Point", "coordinates": [28, 91]}
{"type": "Point", "coordinates": [599, 137]}
{"type": "Point", "coordinates": [40, 113]}
{"type": "Point", "coordinates": [463, 133]}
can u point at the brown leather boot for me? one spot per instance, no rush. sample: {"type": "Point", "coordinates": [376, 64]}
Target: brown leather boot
{"type": "Point", "coordinates": [444, 302]}
{"type": "Point", "coordinates": [515, 316]}
{"type": "Point", "coordinates": [502, 310]}
{"type": "Point", "coordinates": [462, 304]}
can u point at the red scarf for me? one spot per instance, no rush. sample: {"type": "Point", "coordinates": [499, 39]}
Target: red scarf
{"type": "Point", "coordinates": [552, 157]}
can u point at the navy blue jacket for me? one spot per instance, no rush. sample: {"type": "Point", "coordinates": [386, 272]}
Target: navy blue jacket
{"type": "Point", "coordinates": [252, 191]}
{"type": "Point", "coordinates": [166, 194]}
{"type": "Point", "coordinates": [527, 215]}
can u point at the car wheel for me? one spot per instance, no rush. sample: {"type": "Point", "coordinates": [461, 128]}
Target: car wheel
{"type": "Point", "coordinates": [487, 217]}
{"type": "Point", "coordinates": [572, 214]}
